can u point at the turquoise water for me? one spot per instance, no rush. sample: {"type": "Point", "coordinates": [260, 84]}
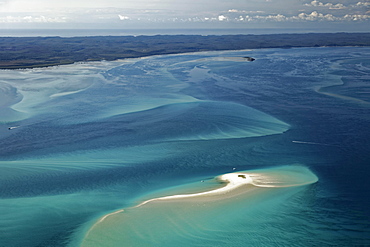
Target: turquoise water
{"type": "Point", "coordinates": [203, 218]}
{"type": "Point", "coordinates": [89, 139]}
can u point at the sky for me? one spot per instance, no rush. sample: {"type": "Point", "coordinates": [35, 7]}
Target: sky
{"type": "Point", "coordinates": [353, 15]}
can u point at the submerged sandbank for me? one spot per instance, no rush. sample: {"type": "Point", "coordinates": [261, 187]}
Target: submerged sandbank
{"type": "Point", "coordinates": [287, 176]}
{"type": "Point", "coordinates": [196, 214]}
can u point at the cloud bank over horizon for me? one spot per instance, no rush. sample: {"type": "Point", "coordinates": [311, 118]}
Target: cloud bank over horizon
{"type": "Point", "coordinates": [180, 14]}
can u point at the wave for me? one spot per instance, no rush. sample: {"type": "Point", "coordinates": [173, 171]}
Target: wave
{"type": "Point", "coordinates": [314, 143]}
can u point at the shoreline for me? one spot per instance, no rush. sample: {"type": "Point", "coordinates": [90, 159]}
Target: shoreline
{"type": "Point", "coordinates": [40, 52]}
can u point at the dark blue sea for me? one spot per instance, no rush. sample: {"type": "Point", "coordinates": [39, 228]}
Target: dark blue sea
{"type": "Point", "coordinates": [81, 141]}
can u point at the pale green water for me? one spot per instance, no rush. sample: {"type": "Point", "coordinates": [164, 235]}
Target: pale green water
{"type": "Point", "coordinates": [201, 220]}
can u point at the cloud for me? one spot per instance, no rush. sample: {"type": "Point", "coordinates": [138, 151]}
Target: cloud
{"type": "Point", "coordinates": [357, 17]}
{"type": "Point", "coordinates": [32, 19]}
{"type": "Point", "coordinates": [316, 16]}
{"type": "Point", "coordinates": [278, 17]}
{"type": "Point", "coordinates": [361, 4]}
{"type": "Point", "coordinates": [122, 17]}
{"type": "Point", "coordinates": [316, 3]}
{"type": "Point", "coordinates": [222, 18]}
{"type": "Point", "coordinates": [313, 16]}
{"type": "Point", "coordinates": [233, 12]}
{"type": "Point", "coordinates": [274, 18]}
{"type": "Point", "coordinates": [245, 11]}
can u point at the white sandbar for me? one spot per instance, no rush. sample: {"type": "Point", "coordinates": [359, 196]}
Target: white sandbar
{"type": "Point", "coordinates": [277, 177]}
{"type": "Point", "coordinates": [233, 180]}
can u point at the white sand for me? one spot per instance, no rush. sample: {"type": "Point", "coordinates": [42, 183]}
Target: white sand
{"type": "Point", "coordinates": [247, 183]}
{"type": "Point", "coordinates": [279, 177]}
{"type": "Point", "coordinates": [233, 180]}
{"type": "Point", "coordinates": [105, 216]}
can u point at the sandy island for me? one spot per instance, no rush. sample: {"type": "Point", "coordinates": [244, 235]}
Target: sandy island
{"type": "Point", "coordinates": [241, 183]}
{"type": "Point", "coordinates": [183, 214]}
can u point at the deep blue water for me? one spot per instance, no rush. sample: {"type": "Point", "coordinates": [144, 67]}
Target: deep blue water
{"type": "Point", "coordinates": [92, 138]}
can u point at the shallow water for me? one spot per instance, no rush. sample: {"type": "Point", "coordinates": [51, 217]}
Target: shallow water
{"type": "Point", "coordinates": [94, 138]}
{"type": "Point", "coordinates": [203, 217]}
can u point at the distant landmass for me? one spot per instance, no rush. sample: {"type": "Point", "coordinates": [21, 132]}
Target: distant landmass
{"type": "Point", "coordinates": [33, 52]}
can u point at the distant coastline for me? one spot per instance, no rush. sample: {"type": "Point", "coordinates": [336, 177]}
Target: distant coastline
{"type": "Point", "coordinates": [34, 52]}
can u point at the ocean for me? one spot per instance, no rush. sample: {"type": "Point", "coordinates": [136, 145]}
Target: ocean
{"type": "Point", "coordinates": [82, 141]}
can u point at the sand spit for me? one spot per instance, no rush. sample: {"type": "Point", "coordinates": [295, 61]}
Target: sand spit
{"type": "Point", "coordinates": [232, 180]}
{"type": "Point", "coordinates": [196, 214]}
{"type": "Point", "coordinates": [242, 182]}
